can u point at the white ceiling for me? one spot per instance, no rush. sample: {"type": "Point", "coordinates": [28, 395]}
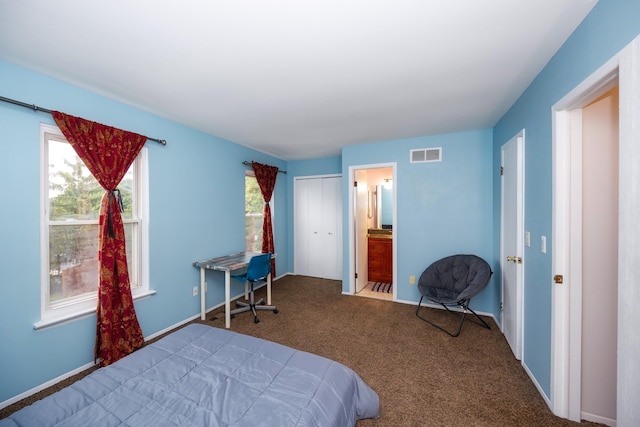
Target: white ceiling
{"type": "Point", "coordinates": [297, 79]}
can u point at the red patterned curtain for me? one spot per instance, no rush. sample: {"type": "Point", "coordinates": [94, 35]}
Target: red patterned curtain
{"type": "Point", "coordinates": [108, 153]}
{"type": "Point", "coordinates": [266, 176]}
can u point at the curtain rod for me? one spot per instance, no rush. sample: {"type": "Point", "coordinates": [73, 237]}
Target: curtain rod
{"type": "Point", "coordinates": [249, 164]}
{"type": "Point", "coordinates": [45, 110]}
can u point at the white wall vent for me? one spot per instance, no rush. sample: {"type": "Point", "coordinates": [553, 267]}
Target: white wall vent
{"type": "Point", "coordinates": [426, 155]}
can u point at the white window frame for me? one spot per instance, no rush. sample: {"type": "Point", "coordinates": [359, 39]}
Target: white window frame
{"type": "Point", "coordinates": [252, 174]}
{"type": "Point", "coordinates": [83, 306]}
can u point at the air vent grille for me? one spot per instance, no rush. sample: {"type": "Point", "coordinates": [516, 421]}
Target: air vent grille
{"type": "Point", "coordinates": [426, 155]}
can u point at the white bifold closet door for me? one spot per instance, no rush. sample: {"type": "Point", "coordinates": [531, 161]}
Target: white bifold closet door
{"type": "Point", "coordinates": [318, 227]}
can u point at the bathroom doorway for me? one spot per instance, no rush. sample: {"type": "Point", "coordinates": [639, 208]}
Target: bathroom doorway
{"type": "Point", "coordinates": [372, 231]}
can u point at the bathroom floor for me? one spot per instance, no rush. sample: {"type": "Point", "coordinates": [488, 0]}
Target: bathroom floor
{"type": "Point", "coordinates": [368, 293]}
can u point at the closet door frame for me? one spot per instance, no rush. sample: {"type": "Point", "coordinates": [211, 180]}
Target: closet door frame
{"type": "Point", "coordinates": [302, 242]}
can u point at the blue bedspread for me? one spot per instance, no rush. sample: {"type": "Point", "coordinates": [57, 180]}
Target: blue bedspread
{"type": "Point", "coordinates": [205, 376]}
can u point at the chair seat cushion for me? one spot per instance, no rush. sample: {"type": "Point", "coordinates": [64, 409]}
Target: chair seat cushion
{"type": "Point", "coordinates": [454, 278]}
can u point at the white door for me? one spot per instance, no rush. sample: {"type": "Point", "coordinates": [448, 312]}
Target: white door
{"type": "Point", "coordinates": [360, 212]}
{"type": "Point", "coordinates": [301, 226]}
{"type": "Point", "coordinates": [316, 241]}
{"type": "Point", "coordinates": [511, 245]}
{"type": "Point", "coordinates": [331, 228]}
{"type": "Point", "coordinates": [318, 227]}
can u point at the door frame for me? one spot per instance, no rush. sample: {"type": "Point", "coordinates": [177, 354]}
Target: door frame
{"type": "Point", "coordinates": [566, 298]}
{"type": "Point", "coordinates": [519, 309]}
{"type": "Point", "coordinates": [351, 225]}
{"type": "Point", "coordinates": [296, 179]}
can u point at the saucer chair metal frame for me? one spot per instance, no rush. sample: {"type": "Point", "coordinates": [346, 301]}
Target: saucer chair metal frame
{"type": "Point", "coordinates": [453, 281]}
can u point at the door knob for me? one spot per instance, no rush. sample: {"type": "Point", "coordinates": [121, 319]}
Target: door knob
{"type": "Point", "coordinates": [515, 259]}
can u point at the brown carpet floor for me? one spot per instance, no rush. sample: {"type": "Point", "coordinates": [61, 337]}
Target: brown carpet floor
{"type": "Point", "coordinates": [422, 376]}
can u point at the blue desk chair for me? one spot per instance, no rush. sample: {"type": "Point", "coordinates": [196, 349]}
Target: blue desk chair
{"type": "Point", "coordinates": [257, 271]}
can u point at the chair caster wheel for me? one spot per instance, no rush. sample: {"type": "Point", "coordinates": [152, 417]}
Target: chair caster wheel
{"type": "Point", "coordinates": [275, 311]}
{"type": "Point", "coordinates": [256, 320]}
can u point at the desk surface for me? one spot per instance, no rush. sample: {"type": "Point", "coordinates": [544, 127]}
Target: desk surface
{"type": "Point", "coordinates": [228, 262]}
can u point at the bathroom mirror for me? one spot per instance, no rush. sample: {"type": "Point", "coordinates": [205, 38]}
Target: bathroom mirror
{"type": "Point", "coordinates": [383, 207]}
{"type": "Point", "coordinates": [386, 207]}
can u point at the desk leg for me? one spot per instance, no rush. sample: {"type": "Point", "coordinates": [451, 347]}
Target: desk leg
{"type": "Point", "coordinates": [203, 284]}
{"type": "Point", "coordinates": [269, 289]}
{"type": "Point", "coordinates": [227, 299]}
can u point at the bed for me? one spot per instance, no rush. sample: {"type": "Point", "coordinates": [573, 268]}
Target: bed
{"type": "Point", "coordinates": [206, 376]}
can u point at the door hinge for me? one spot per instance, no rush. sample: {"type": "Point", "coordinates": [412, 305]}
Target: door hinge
{"type": "Point", "coordinates": [501, 307]}
{"type": "Point", "coordinates": [356, 275]}
{"type": "Point", "coordinates": [355, 183]}
{"type": "Point", "coordinates": [501, 170]}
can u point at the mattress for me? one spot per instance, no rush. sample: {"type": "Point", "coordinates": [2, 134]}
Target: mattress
{"type": "Point", "coordinates": [205, 376]}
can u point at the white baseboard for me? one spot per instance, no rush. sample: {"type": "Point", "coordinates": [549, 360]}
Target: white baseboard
{"type": "Point", "coordinates": [537, 385]}
{"type": "Point", "coordinates": [43, 386]}
{"type": "Point", "coordinates": [597, 419]}
{"type": "Point", "coordinates": [82, 368]}
{"type": "Point", "coordinates": [150, 337]}
{"type": "Point", "coordinates": [451, 308]}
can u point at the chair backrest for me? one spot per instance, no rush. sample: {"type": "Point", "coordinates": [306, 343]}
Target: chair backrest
{"type": "Point", "coordinates": [455, 278]}
{"type": "Point", "coordinates": [259, 267]}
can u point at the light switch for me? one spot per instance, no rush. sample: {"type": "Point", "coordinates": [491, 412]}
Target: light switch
{"type": "Point", "coordinates": [527, 239]}
{"type": "Point", "coordinates": [543, 244]}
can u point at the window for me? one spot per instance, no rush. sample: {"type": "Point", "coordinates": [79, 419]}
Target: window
{"type": "Point", "coordinates": [71, 206]}
{"type": "Point", "coordinates": [254, 213]}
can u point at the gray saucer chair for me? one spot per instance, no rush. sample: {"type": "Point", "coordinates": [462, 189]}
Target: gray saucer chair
{"type": "Point", "coordinates": [257, 271]}
{"type": "Point", "coordinates": [453, 281]}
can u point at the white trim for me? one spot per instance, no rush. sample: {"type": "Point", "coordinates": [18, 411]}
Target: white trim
{"type": "Point", "coordinates": [84, 305]}
{"type": "Point", "coordinates": [597, 419]}
{"type": "Point", "coordinates": [565, 308]}
{"type": "Point", "coordinates": [520, 211]}
{"type": "Point", "coordinates": [251, 173]}
{"type": "Point", "coordinates": [296, 180]}
{"type": "Point", "coordinates": [535, 382]}
{"type": "Point", "coordinates": [80, 314]}
{"type": "Point", "coordinates": [45, 385]}
{"type": "Point", "coordinates": [144, 287]}
{"type": "Point", "coordinates": [329, 175]}
{"type": "Point", "coordinates": [628, 392]}
{"type": "Point", "coordinates": [452, 308]}
{"type": "Point", "coordinates": [84, 367]}
{"type": "Point", "coordinates": [351, 231]}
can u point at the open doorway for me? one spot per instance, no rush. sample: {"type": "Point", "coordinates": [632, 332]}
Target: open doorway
{"type": "Point", "coordinates": [623, 71]}
{"type": "Point", "coordinates": [592, 173]}
{"type": "Point", "coordinates": [372, 231]}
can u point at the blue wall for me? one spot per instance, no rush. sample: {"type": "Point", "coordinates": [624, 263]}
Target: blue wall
{"type": "Point", "coordinates": [196, 207]}
{"type": "Point", "coordinates": [443, 208]}
{"type": "Point", "coordinates": [197, 204]}
{"type": "Point", "coordinates": [610, 26]}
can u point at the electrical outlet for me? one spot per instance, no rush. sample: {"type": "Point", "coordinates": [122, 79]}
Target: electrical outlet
{"type": "Point", "coordinates": [412, 280]}
{"type": "Point", "coordinates": [195, 291]}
